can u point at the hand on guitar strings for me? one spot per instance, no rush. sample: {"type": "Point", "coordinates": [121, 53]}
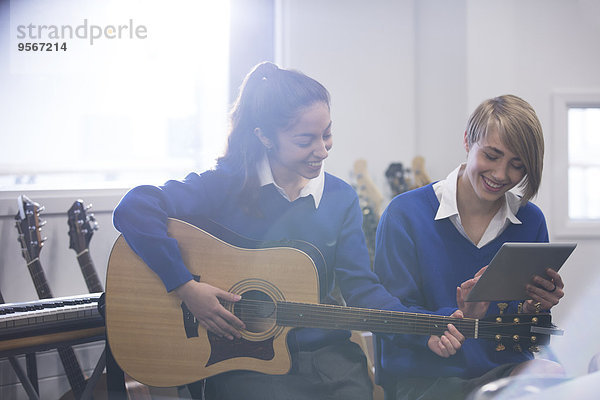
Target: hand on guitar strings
{"type": "Point", "coordinates": [447, 344]}
{"type": "Point", "coordinates": [546, 292]}
{"type": "Point", "coordinates": [471, 309]}
{"type": "Point", "coordinates": [202, 300]}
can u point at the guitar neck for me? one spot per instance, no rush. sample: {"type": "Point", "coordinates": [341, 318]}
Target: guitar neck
{"type": "Point", "coordinates": [39, 279]}
{"type": "Point", "coordinates": [353, 318]}
{"type": "Point", "coordinates": [67, 355]}
{"type": "Point", "coordinates": [72, 369]}
{"type": "Point", "coordinates": [89, 272]}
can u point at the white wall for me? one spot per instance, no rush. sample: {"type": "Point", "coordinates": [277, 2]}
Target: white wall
{"type": "Point", "coordinates": [363, 52]}
{"type": "Point", "coordinates": [404, 75]}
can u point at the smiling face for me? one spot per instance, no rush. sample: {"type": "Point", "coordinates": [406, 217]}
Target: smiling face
{"type": "Point", "coordinates": [492, 169]}
{"type": "Point", "coordinates": [298, 151]}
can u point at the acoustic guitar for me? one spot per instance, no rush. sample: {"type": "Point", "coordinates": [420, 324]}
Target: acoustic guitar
{"type": "Point", "coordinates": [157, 341]}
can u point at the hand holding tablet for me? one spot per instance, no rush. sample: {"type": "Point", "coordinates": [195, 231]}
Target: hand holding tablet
{"type": "Point", "coordinates": [514, 266]}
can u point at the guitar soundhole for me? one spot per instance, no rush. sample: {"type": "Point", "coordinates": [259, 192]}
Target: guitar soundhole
{"type": "Point", "coordinates": [257, 310]}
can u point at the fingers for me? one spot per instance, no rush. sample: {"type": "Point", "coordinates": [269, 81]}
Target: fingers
{"type": "Point", "coordinates": [556, 278]}
{"type": "Point", "coordinates": [448, 344]}
{"type": "Point", "coordinates": [480, 272]}
{"type": "Point", "coordinates": [547, 292]}
{"type": "Point", "coordinates": [227, 296]}
{"type": "Point", "coordinates": [546, 299]}
{"type": "Point", "coordinates": [455, 336]}
{"type": "Point", "coordinates": [220, 327]}
{"type": "Point", "coordinates": [460, 299]}
{"type": "Point", "coordinates": [203, 301]}
{"type": "Point", "coordinates": [457, 314]}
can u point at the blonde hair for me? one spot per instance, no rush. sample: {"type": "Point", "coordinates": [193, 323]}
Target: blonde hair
{"type": "Point", "coordinates": [520, 131]}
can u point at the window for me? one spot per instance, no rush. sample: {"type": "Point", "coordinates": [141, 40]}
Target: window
{"type": "Point", "coordinates": [584, 163]}
{"type": "Point", "coordinates": [138, 93]}
{"type": "Point", "coordinates": [576, 145]}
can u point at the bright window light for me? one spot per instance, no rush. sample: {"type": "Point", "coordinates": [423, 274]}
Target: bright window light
{"type": "Point", "coordinates": [139, 94]}
{"type": "Point", "coordinates": [584, 163]}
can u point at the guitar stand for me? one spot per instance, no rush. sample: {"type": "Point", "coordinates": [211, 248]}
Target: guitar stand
{"type": "Point", "coordinates": [91, 382]}
{"type": "Point", "coordinates": [25, 381]}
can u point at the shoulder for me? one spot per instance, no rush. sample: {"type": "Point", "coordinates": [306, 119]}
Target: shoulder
{"type": "Point", "coordinates": [530, 213]}
{"type": "Point", "coordinates": [213, 179]}
{"type": "Point", "coordinates": [417, 200]}
{"type": "Point", "coordinates": [338, 187]}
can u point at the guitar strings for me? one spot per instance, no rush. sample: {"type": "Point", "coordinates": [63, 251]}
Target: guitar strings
{"type": "Point", "coordinates": [327, 310]}
{"type": "Point", "coordinates": [321, 315]}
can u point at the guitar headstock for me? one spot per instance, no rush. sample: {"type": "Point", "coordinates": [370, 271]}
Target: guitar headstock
{"type": "Point", "coordinates": [396, 176]}
{"type": "Point", "coordinates": [366, 189]}
{"type": "Point", "coordinates": [420, 176]}
{"type": "Point", "coordinates": [518, 331]}
{"type": "Point", "coordinates": [81, 226]}
{"type": "Point", "coordinates": [29, 226]}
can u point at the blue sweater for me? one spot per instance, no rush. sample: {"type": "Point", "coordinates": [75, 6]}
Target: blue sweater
{"type": "Point", "coordinates": [334, 228]}
{"type": "Point", "coordinates": [421, 261]}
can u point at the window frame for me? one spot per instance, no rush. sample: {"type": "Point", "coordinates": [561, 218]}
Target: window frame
{"type": "Point", "coordinates": [563, 226]}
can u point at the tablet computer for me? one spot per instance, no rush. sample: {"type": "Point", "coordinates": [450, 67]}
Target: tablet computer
{"type": "Point", "coordinates": [514, 265]}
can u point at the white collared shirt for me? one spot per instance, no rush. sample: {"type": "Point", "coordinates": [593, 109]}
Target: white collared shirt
{"type": "Point", "coordinates": [314, 186]}
{"type": "Point", "coordinates": [445, 192]}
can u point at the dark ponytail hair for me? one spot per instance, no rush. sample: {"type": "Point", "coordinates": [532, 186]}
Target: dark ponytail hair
{"type": "Point", "coordinates": [270, 98]}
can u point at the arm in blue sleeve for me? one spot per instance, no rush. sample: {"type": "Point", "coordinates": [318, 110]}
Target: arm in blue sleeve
{"type": "Point", "coordinates": [398, 268]}
{"type": "Point", "coordinates": [141, 216]}
{"type": "Point", "coordinates": [360, 286]}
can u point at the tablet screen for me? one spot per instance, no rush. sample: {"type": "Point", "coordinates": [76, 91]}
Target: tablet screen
{"type": "Point", "coordinates": [514, 265]}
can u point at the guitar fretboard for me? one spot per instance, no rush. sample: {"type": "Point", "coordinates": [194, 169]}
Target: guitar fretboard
{"type": "Point", "coordinates": [89, 272]}
{"type": "Point", "coordinates": [337, 317]}
{"type": "Point", "coordinates": [39, 279]}
{"type": "Point", "coordinates": [67, 355]}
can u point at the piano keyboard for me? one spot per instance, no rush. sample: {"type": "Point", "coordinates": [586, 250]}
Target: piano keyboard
{"type": "Point", "coordinates": [49, 317]}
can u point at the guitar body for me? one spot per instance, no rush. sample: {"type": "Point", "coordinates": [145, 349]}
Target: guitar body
{"type": "Point", "coordinates": [145, 325]}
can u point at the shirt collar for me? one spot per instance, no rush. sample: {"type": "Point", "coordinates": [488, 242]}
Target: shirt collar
{"type": "Point", "coordinates": [314, 186]}
{"type": "Point", "coordinates": [448, 206]}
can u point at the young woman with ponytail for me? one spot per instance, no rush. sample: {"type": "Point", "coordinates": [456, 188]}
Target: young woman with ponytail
{"type": "Point", "coordinates": [269, 185]}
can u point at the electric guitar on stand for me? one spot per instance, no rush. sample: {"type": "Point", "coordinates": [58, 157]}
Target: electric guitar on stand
{"type": "Point", "coordinates": [420, 176]}
{"type": "Point", "coordinates": [81, 229]}
{"type": "Point", "coordinates": [397, 178]}
{"type": "Point", "coordinates": [29, 227]}
{"type": "Point", "coordinates": [371, 202]}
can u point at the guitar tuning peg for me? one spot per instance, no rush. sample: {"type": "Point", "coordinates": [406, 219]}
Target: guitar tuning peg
{"type": "Point", "coordinates": [502, 307]}
{"type": "Point", "coordinates": [93, 222]}
{"type": "Point", "coordinates": [517, 348]}
{"type": "Point", "coordinates": [41, 209]}
{"type": "Point", "coordinates": [42, 223]}
{"type": "Point", "coordinates": [88, 206]}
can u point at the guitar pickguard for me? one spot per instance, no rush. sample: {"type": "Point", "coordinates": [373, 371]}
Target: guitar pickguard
{"type": "Point", "coordinates": [222, 349]}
